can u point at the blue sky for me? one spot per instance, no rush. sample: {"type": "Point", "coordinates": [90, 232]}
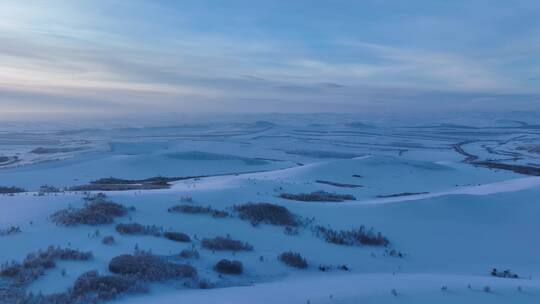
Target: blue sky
{"type": "Point", "coordinates": [114, 57]}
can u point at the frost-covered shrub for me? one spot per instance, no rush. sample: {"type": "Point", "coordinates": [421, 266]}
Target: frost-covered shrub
{"type": "Point", "coordinates": [293, 259]}
{"type": "Point", "coordinates": [138, 229]}
{"type": "Point", "coordinates": [504, 274]}
{"type": "Point", "coordinates": [96, 212]}
{"type": "Point", "coordinates": [10, 230]}
{"type": "Point", "coordinates": [177, 236]}
{"type": "Point", "coordinates": [359, 236]}
{"type": "Point", "coordinates": [36, 263]}
{"type": "Point", "coordinates": [148, 267]}
{"type": "Point", "coordinates": [220, 243]}
{"type": "Point", "coordinates": [266, 213]}
{"type": "Point", "coordinates": [48, 189]}
{"type": "Point", "coordinates": [229, 267]}
{"type": "Point", "coordinates": [190, 253]}
{"type": "Point", "coordinates": [108, 240]}
{"type": "Point", "coordinates": [318, 196]}
{"type": "Point", "coordinates": [11, 190]}
{"type": "Point", "coordinates": [95, 287]}
{"type": "Point", "coordinates": [194, 209]}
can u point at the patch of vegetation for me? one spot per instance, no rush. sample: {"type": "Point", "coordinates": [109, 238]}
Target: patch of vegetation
{"type": "Point", "coordinates": [190, 254]}
{"type": "Point", "coordinates": [43, 150]}
{"type": "Point", "coordinates": [194, 209]}
{"type": "Point", "coordinates": [35, 264]}
{"type": "Point", "coordinates": [48, 189]}
{"type": "Point", "coordinates": [229, 267]}
{"type": "Point", "coordinates": [92, 287]}
{"type": "Point", "coordinates": [10, 230]}
{"type": "Point", "coordinates": [148, 267]}
{"type": "Point", "coordinates": [318, 196]}
{"type": "Point", "coordinates": [359, 236]}
{"type": "Point", "coordinates": [504, 274]}
{"type": "Point", "coordinates": [335, 184]}
{"type": "Point", "coordinates": [120, 184]}
{"type": "Point", "coordinates": [177, 236]}
{"type": "Point", "coordinates": [95, 212]}
{"type": "Point", "coordinates": [221, 243]}
{"type": "Point", "coordinates": [293, 259]}
{"type": "Point", "coordinates": [108, 240]}
{"type": "Point", "coordinates": [267, 213]}
{"type": "Point", "coordinates": [11, 190]}
{"type": "Point", "coordinates": [400, 194]}
{"type": "Point", "coordinates": [138, 229]}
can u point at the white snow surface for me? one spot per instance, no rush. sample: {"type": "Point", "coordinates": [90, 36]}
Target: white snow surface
{"type": "Point", "coordinates": [452, 221]}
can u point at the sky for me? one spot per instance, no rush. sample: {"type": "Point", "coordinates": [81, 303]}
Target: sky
{"type": "Point", "coordinates": [107, 58]}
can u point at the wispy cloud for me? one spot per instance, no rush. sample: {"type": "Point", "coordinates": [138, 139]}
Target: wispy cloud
{"type": "Point", "coordinates": [75, 56]}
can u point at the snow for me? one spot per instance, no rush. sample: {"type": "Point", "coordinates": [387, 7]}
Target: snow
{"type": "Point", "coordinates": [466, 221]}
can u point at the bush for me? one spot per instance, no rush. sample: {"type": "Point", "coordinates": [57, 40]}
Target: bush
{"type": "Point", "coordinates": [177, 236]}
{"type": "Point", "coordinates": [98, 211]}
{"type": "Point", "coordinates": [266, 213]}
{"type": "Point", "coordinates": [108, 240]}
{"type": "Point", "coordinates": [35, 264]}
{"type": "Point", "coordinates": [359, 236]}
{"type": "Point", "coordinates": [221, 243]}
{"type": "Point", "coordinates": [148, 267]}
{"type": "Point", "coordinates": [48, 189]}
{"type": "Point", "coordinates": [10, 230]}
{"type": "Point", "coordinates": [229, 267]}
{"type": "Point", "coordinates": [11, 190]}
{"type": "Point", "coordinates": [138, 229]}
{"type": "Point", "coordinates": [194, 209]}
{"type": "Point", "coordinates": [318, 196]}
{"type": "Point", "coordinates": [293, 259]}
{"type": "Point", "coordinates": [105, 287]}
{"type": "Point", "coordinates": [504, 274]}
{"type": "Point", "coordinates": [190, 253]}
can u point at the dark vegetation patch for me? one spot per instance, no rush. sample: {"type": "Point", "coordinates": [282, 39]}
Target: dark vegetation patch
{"type": "Point", "coordinates": [10, 230]}
{"type": "Point", "coordinates": [34, 264]}
{"type": "Point", "coordinates": [267, 213]}
{"type": "Point", "coordinates": [96, 211]}
{"type": "Point", "coordinates": [229, 267]}
{"type": "Point", "coordinates": [177, 236]}
{"type": "Point", "coordinates": [293, 259]}
{"type": "Point", "coordinates": [92, 287]}
{"type": "Point", "coordinates": [11, 190]}
{"type": "Point", "coordinates": [108, 240]}
{"type": "Point", "coordinates": [43, 150]}
{"type": "Point", "coordinates": [318, 196]}
{"type": "Point", "coordinates": [148, 267]}
{"type": "Point", "coordinates": [221, 243]}
{"type": "Point", "coordinates": [44, 189]}
{"type": "Point", "coordinates": [138, 229]}
{"type": "Point", "coordinates": [335, 184]}
{"type": "Point", "coordinates": [527, 170]}
{"type": "Point", "coordinates": [359, 236]}
{"type": "Point", "coordinates": [400, 194]}
{"type": "Point", "coordinates": [120, 184]}
{"type": "Point", "coordinates": [194, 209]}
{"type": "Point", "coordinates": [504, 274]}
{"type": "Point", "coordinates": [190, 254]}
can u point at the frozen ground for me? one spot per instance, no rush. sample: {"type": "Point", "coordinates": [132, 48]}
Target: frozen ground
{"type": "Point", "coordinates": [451, 217]}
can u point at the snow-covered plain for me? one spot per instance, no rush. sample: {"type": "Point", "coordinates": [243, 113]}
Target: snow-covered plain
{"type": "Point", "coordinates": [453, 220]}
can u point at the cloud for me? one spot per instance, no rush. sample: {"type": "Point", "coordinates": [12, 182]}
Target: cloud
{"type": "Point", "coordinates": [80, 57]}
